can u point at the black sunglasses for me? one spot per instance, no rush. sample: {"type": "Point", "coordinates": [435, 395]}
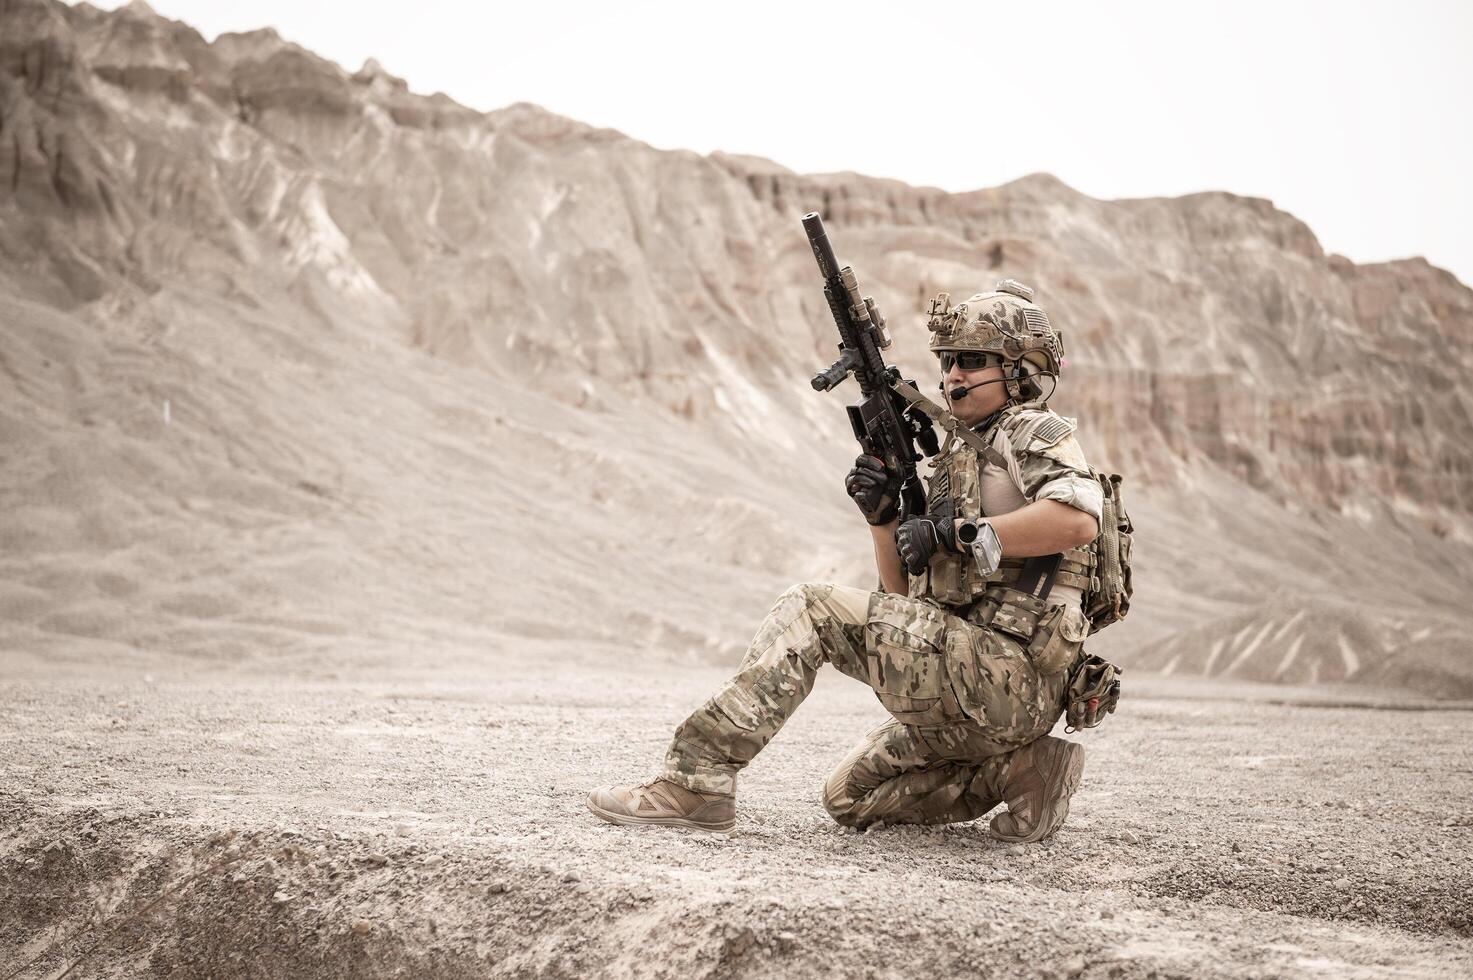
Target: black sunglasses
{"type": "Point", "coordinates": [967, 360]}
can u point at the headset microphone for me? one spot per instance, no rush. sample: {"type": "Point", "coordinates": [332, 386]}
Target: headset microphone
{"type": "Point", "coordinates": [960, 391]}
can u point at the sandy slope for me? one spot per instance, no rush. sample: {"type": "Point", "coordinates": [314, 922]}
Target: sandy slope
{"type": "Point", "coordinates": [428, 369]}
{"type": "Point", "coordinates": [430, 819]}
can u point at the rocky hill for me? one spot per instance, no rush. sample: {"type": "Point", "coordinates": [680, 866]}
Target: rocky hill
{"type": "Point", "coordinates": [302, 367]}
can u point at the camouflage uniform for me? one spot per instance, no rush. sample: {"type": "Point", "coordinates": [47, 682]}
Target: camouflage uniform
{"type": "Point", "coordinates": [966, 675]}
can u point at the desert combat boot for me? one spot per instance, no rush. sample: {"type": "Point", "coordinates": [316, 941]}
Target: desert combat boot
{"type": "Point", "coordinates": [664, 804]}
{"type": "Point", "coordinates": [1040, 779]}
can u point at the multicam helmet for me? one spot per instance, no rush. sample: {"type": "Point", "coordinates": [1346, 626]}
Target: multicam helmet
{"type": "Point", "coordinates": [1004, 322]}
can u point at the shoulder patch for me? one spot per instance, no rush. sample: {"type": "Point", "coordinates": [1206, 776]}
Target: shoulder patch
{"type": "Point", "coordinates": [1038, 427]}
{"type": "Point", "coordinates": [1052, 429]}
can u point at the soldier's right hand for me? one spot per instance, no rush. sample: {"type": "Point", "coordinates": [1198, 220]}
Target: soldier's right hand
{"type": "Point", "coordinates": [876, 491]}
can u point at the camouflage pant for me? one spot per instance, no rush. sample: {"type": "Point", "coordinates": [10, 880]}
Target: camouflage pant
{"type": "Point", "coordinates": [962, 698]}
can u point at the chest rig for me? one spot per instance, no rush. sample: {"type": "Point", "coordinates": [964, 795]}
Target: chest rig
{"type": "Point", "coordinates": [1012, 598]}
{"type": "Point", "coordinates": [954, 489]}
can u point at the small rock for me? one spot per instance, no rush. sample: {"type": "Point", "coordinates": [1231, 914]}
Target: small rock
{"type": "Point", "coordinates": [361, 928]}
{"type": "Point", "coordinates": [281, 898]}
{"type": "Point", "coordinates": [1237, 848]}
{"type": "Point", "coordinates": [1341, 883]}
{"type": "Point", "coordinates": [1107, 914]}
{"type": "Point", "coordinates": [376, 859]}
{"type": "Point", "coordinates": [570, 877]}
{"type": "Point", "coordinates": [432, 861]}
{"type": "Point", "coordinates": [1129, 838]}
{"type": "Point", "coordinates": [402, 829]}
{"type": "Point", "coordinates": [497, 888]}
{"type": "Point", "coordinates": [1073, 966]}
{"type": "Point", "coordinates": [787, 940]}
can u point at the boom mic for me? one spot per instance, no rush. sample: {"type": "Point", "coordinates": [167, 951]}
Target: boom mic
{"type": "Point", "coordinates": [960, 391]}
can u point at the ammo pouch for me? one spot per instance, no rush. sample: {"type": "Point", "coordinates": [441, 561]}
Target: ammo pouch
{"type": "Point", "coordinates": [1013, 612]}
{"type": "Point", "coordinates": [1093, 692]}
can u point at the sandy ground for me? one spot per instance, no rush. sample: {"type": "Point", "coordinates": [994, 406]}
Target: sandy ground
{"type": "Point", "coordinates": [420, 822]}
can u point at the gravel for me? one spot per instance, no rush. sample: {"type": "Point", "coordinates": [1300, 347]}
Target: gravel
{"type": "Point", "coordinates": [269, 816]}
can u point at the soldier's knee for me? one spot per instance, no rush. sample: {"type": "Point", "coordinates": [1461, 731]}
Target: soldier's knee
{"type": "Point", "coordinates": [806, 598]}
{"type": "Point", "coordinates": [837, 799]}
{"type": "Point", "coordinates": [809, 593]}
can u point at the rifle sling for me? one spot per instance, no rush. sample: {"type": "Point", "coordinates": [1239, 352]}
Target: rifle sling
{"type": "Point", "coordinates": [950, 423]}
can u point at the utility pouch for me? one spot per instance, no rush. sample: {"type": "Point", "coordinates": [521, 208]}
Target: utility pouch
{"type": "Point", "coordinates": [1057, 640]}
{"type": "Point", "coordinates": [1107, 599]}
{"type": "Point", "coordinates": [1017, 614]}
{"type": "Point", "coordinates": [1094, 690]}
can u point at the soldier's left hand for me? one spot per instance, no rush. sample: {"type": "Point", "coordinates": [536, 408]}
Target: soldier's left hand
{"type": "Point", "coordinates": [921, 537]}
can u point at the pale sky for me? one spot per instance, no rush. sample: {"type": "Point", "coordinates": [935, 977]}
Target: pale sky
{"type": "Point", "coordinates": [1355, 117]}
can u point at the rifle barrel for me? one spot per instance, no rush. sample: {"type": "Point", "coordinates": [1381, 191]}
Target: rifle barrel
{"type": "Point", "coordinates": [822, 250]}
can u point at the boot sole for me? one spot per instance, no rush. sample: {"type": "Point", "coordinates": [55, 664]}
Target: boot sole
{"type": "Point", "coordinates": [1073, 771]}
{"type": "Point", "coordinates": [626, 820]}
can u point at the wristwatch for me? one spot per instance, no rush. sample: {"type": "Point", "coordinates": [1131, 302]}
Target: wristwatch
{"type": "Point", "coordinates": [979, 538]}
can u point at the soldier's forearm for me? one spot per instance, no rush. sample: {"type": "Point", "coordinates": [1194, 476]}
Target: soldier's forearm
{"type": "Point", "coordinates": [887, 559]}
{"type": "Point", "coordinates": [1044, 527]}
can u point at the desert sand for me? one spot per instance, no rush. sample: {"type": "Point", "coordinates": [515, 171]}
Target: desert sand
{"type": "Point", "coordinates": [429, 821]}
{"type": "Point", "coordinates": [378, 476]}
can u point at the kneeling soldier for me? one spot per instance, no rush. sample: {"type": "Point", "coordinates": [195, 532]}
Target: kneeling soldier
{"type": "Point", "coordinates": [968, 645]}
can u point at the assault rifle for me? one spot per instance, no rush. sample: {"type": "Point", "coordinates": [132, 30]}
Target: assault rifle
{"type": "Point", "coordinates": [885, 424]}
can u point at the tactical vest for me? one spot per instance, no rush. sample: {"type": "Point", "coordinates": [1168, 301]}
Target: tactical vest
{"type": "Point", "coordinates": [955, 486]}
{"type": "Point", "coordinates": [1101, 571]}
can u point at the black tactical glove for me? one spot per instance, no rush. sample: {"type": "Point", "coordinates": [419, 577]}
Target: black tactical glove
{"type": "Point", "coordinates": [876, 491]}
{"type": "Point", "coordinates": [921, 537]}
